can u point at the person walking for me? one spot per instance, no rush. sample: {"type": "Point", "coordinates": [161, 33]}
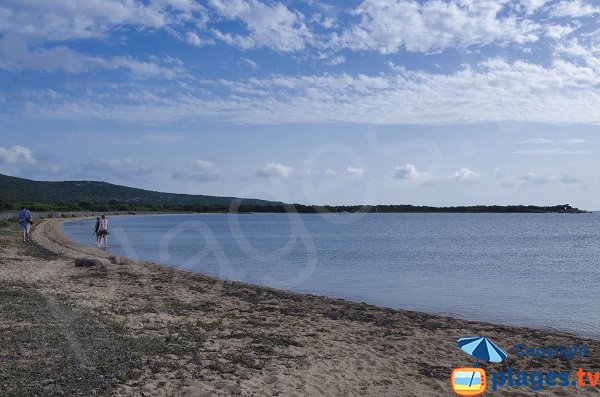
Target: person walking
{"type": "Point", "coordinates": [96, 230]}
{"type": "Point", "coordinates": [25, 222]}
{"type": "Point", "coordinates": [103, 232]}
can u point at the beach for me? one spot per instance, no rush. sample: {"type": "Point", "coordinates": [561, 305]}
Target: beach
{"type": "Point", "coordinates": [132, 328]}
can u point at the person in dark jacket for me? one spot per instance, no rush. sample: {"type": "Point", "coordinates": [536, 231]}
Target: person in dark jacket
{"type": "Point", "coordinates": [96, 230]}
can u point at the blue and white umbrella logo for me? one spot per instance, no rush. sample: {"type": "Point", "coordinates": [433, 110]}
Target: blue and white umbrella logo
{"type": "Point", "coordinates": [483, 349]}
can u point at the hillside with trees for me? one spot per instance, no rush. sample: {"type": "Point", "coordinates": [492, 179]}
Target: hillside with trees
{"type": "Point", "coordinates": [103, 196]}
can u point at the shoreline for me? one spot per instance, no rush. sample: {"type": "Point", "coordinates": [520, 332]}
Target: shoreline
{"type": "Point", "coordinates": [72, 215]}
{"type": "Point", "coordinates": [191, 334]}
{"type": "Point", "coordinates": [66, 240]}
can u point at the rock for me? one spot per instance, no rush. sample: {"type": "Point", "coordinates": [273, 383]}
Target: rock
{"type": "Point", "coordinates": [90, 261]}
{"type": "Point", "coordinates": [118, 260]}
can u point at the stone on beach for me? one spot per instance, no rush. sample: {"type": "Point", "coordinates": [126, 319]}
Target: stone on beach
{"type": "Point", "coordinates": [90, 261]}
{"type": "Point", "coordinates": [118, 260]}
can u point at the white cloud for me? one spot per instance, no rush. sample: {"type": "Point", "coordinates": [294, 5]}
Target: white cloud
{"type": "Point", "coordinates": [125, 169]}
{"type": "Point", "coordinates": [198, 171]}
{"type": "Point", "coordinates": [559, 31]}
{"type": "Point", "coordinates": [250, 63]}
{"type": "Point", "coordinates": [492, 91]}
{"type": "Point", "coordinates": [270, 25]}
{"type": "Point", "coordinates": [66, 19]}
{"type": "Point", "coordinates": [533, 179]}
{"type": "Point", "coordinates": [16, 155]}
{"type": "Point", "coordinates": [120, 164]}
{"type": "Point", "coordinates": [30, 30]}
{"type": "Point", "coordinates": [568, 142]}
{"type": "Point", "coordinates": [384, 26]}
{"type": "Point", "coordinates": [388, 26]}
{"type": "Point", "coordinates": [553, 151]}
{"type": "Point", "coordinates": [409, 172]}
{"type": "Point", "coordinates": [538, 140]}
{"type": "Point", "coordinates": [337, 60]}
{"type": "Point", "coordinates": [195, 40]}
{"type": "Point", "coordinates": [354, 171]}
{"type": "Point", "coordinates": [531, 6]}
{"type": "Point", "coordinates": [15, 54]}
{"type": "Point", "coordinates": [575, 141]}
{"type": "Point", "coordinates": [275, 170]}
{"type": "Point", "coordinates": [465, 175]}
{"type": "Point", "coordinates": [574, 9]}
{"type": "Point", "coordinates": [566, 179]}
{"type": "Point", "coordinates": [585, 55]}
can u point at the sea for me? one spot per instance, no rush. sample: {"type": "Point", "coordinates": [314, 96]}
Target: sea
{"type": "Point", "coordinates": [535, 270]}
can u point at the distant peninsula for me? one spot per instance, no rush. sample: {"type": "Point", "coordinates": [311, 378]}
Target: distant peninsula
{"type": "Point", "coordinates": [106, 197]}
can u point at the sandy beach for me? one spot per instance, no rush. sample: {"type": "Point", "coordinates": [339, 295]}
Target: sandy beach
{"type": "Point", "coordinates": [131, 328]}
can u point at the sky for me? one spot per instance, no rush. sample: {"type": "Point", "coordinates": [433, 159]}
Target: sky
{"type": "Point", "coordinates": [442, 102]}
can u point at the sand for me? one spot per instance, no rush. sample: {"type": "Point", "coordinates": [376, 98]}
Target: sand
{"type": "Point", "coordinates": [192, 335]}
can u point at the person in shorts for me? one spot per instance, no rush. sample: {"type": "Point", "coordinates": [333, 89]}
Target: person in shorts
{"type": "Point", "coordinates": [103, 232]}
{"type": "Point", "coordinates": [25, 222]}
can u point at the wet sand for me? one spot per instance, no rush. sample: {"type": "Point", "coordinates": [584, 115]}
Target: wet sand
{"type": "Point", "coordinates": [169, 332]}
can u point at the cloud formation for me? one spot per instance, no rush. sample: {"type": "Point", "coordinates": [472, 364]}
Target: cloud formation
{"type": "Point", "coordinates": [121, 168]}
{"type": "Point", "coordinates": [68, 20]}
{"type": "Point", "coordinates": [195, 40]}
{"type": "Point", "coordinates": [495, 90]}
{"type": "Point", "coordinates": [574, 9]}
{"type": "Point", "coordinates": [465, 175]}
{"type": "Point", "coordinates": [533, 179]}
{"type": "Point", "coordinates": [372, 25]}
{"type": "Point", "coordinates": [409, 172]}
{"type": "Point", "coordinates": [354, 171]}
{"type": "Point", "coordinates": [15, 54]}
{"type": "Point", "coordinates": [270, 25]}
{"type": "Point", "coordinates": [16, 155]}
{"type": "Point", "coordinates": [389, 26]}
{"type": "Point", "coordinates": [272, 170]}
{"type": "Point", "coordinates": [198, 171]}
{"type": "Point", "coordinates": [553, 151]}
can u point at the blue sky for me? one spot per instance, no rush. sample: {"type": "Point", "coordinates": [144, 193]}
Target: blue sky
{"type": "Point", "coordinates": [434, 102]}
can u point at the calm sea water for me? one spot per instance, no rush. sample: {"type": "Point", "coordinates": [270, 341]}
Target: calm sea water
{"type": "Point", "coordinates": [540, 270]}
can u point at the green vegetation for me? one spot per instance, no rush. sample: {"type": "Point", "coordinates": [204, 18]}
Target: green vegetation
{"type": "Point", "coordinates": [106, 197]}
{"type": "Point", "coordinates": [49, 347]}
{"type": "Point", "coordinates": [55, 343]}
{"type": "Point", "coordinates": [103, 196]}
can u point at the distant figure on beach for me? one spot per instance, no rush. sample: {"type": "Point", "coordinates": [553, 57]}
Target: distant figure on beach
{"type": "Point", "coordinates": [96, 230]}
{"type": "Point", "coordinates": [103, 232]}
{"type": "Point", "coordinates": [25, 222]}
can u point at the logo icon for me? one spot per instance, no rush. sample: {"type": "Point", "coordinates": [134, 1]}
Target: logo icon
{"type": "Point", "coordinates": [468, 382]}
{"type": "Point", "coordinates": [471, 381]}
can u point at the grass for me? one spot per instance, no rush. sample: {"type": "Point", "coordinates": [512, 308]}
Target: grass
{"type": "Point", "coordinates": [48, 347]}
{"type": "Point", "coordinates": [150, 345]}
{"type": "Point", "coordinates": [51, 344]}
{"type": "Point", "coordinates": [10, 235]}
{"type": "Point", "coordinates": [210, 325]}
{"type": "Point", "coordinates": [220, 366]}
{"type": "Point", "coordinates": [246, 360]}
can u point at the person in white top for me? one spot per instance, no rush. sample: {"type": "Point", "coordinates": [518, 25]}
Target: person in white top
{"type": "Point", "coordinates": [103, 232]}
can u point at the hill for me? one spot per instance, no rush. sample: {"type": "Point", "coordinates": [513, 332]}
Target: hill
{"type": "Point", "coordinates": [92, 195]}
{"type": "Point", "coordinates": [103, 196]}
